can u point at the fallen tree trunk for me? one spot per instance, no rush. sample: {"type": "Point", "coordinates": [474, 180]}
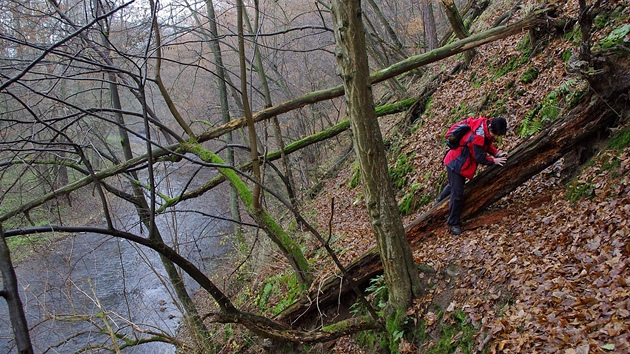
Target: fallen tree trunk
{"type": "Point", "coordinates": [590, 120]}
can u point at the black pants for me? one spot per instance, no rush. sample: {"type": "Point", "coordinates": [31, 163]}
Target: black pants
{"type": "Point", "coordinates": [454, 189]}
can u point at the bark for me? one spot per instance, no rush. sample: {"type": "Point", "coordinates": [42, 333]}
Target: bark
{"type": "Point", "coordinates": [260, 70]}
{"type": "Point", "coordinates": [11, 294]}
{"type": "Point", "coordinates": [457, 23]}
{"type": "Point", "coordinates": [400, 273]}
{"type": "Point", "coordinates": [223, 98]}
{"type": "Point", "coordinates": [591, 119]}
{"type": "Point", "coordinates": [428, 19]}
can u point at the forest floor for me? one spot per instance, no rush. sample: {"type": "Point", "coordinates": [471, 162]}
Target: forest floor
{"type": "Point", "coordinates": [543, 270]}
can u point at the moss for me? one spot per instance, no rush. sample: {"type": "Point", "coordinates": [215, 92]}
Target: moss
{"type": "Point", "coordinates": [266, 222]}
{"type": "Point", "coordinates": [460, 112]}
{"type": "Point", "coordinates": [601, 20]}
{"type": "Point", "coordinates": [356, 177]}
{"type": "Point", "coordinates": [513, 63]}
{"type": "Point", "coordinates": [395, 107]}
{"type": "Point", "coordinates": [342, 326]}
{"type": "Point", "coordinates": [529, 76]}
{"type": "Point", "coordinates": [525, 46]}
{"type": "Point", "coordinates": [566, 55]}
{"type": "Point", "coordinates": [399, 173]}
{"type": "Point", "coordinates": [456, 335]}
{"type": "Point", "coordinates": [575, 36]}
{"type": "Point", "coordinates": [412, 200]}
{"type": "Point", "coordinates": [579, 189]}
{"type": "Point", "coordinates": [394, 324]}
{"type": "Point", "coordinates": [210, 157]}
{"type": "Point", "coordinates": [620, 140]}
{"type": "Point", "coordinates": [475, 80]}
{"type": "Point", "coordinates": [510, 66]}
{"type": "Point", "coordinates": [616, 37]}
{"type": "Point", "coordinates": [283, 287]}
{"type": "Point", "coordinates": [613, 165]}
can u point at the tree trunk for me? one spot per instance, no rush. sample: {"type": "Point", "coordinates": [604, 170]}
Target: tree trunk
{"type": "Point", "coordinates": [400, 272]}
{"type": "Point", "coordinates": [428, 19]}
{"type": "Point", "coordinates": [225, 107]}
{"type": "Point", "coordinates": [260, 70]}
{"type": "Point", "coordinates": [11, 294]}
{"type": "Point", "coordinates": [251, 129]}
{"type": "Point", "coordinates": [457, 23]}
{"type": "Point", "coordinates": [586, 122]}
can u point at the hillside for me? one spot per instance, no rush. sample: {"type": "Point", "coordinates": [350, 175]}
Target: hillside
{"type": "Point", "coordinates": [543, 270]}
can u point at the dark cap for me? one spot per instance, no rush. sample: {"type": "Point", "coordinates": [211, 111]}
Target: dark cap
{"type": "Point", "coordinates": [498, 125]}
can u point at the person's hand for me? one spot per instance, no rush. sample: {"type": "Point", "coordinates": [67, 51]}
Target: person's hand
{"type": "Point", "coordinates": [500, 160]}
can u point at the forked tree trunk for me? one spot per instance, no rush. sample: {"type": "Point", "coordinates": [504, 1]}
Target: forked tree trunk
{"type": "Point", "coordinates": [459, 28]}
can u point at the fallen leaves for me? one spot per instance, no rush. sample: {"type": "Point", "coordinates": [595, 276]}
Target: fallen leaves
{"type": "Point", "coordinates": [565, 267]}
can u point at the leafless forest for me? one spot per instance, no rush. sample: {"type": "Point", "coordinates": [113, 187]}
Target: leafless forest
{"type": "Point", "coordinates": [177, 141]}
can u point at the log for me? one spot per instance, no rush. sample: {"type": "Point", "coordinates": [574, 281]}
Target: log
{"type": "Point", "coordinates": [591, 119]}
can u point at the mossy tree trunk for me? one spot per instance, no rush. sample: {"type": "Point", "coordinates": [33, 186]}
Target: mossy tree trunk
{"type": "Point", "coordinates": [455, 18]}
{"type": "Point", "coordinates": [400, 272]}
{"type": "Point", "coordinates": [274, 231]}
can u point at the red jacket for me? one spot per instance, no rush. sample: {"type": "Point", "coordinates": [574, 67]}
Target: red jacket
{"type": "Point", "coordinates": [475, 148]}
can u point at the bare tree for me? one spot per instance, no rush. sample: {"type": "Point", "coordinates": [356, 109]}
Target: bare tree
{"type": "Point", "coordinates": [11, 294]}
{"type": "Point", "coordinates": [457, 23]}
{"type": "Point", "coordinates": [428, 20]}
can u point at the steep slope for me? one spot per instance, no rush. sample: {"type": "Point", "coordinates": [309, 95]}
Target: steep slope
{"type": "Point", "coordinates": [545, 269]}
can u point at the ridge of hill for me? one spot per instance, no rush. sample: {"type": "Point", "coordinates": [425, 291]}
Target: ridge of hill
{"type": "Point", "coordinates": [543, 270]}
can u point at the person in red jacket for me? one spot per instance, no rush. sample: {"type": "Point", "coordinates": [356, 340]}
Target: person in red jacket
{"type": "Point", "coordinates": [476, 147]}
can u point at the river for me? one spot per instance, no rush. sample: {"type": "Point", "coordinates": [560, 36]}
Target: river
{"type": "Point", "coordinates": [78, 276]}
